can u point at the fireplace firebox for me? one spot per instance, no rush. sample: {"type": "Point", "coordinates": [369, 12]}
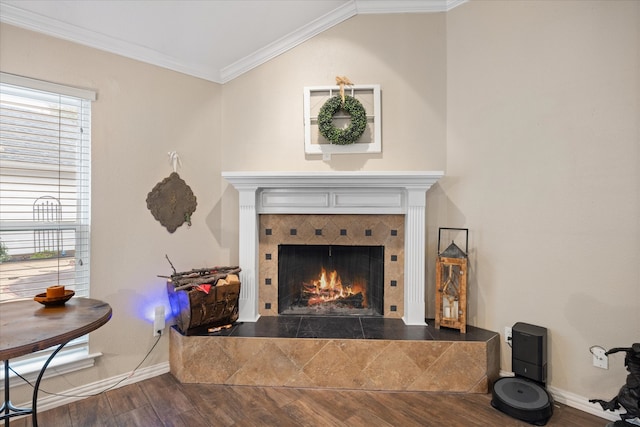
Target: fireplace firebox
{"type": "Point", "coordinates": [331, 280]}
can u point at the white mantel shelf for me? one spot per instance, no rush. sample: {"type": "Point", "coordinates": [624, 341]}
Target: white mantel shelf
{"type": "Point", "coordinates": [352, 192]}
{"type": "Point", "coordinates": [378, 179]}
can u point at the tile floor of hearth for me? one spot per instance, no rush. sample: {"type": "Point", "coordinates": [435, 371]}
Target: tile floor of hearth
{"type": "Point", "coordinates": [332, 327]}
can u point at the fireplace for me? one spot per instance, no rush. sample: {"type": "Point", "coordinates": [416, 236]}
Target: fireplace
{"type": "Point", "coordinates": [330, 280]}
{"type": "Point", "coordinates": [304, 210]}
{"type": "Point", "coordinates": [324, 241]}
{"type": "Point", "coordinates": [309, 201]}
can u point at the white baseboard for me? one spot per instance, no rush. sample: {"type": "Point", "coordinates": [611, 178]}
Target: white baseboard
{"type": "Point", "coordinates": [582, 403]}
{"type": "Point", "coordinates": [52, 401]}
{"type": "Point", "coordinates": [576, 401]}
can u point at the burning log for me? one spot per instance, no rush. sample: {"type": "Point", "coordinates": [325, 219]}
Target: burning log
{"type": "Point", "coordinates": [321, 292]}
{"type": "Point", "coordinates": [354, 301]}
{"type": "Point", "coordinates": [309, 287]}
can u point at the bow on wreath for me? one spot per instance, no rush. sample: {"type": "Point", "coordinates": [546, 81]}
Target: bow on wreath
{"type": "Point", "coordinates": [351, 106]}
{"type": "Point", "coordinates": [342, 81]}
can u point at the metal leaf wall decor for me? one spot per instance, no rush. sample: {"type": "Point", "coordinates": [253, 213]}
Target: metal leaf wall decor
{"type": "Point", "coordinates": [172, 202]}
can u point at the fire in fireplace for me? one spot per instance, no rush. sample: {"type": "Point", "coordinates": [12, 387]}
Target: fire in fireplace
{"type": "Point", "coordinates": [330, 280]}
{"type": "Point", "coordinates": [329, 289]}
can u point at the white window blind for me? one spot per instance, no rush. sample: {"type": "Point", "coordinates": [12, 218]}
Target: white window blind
{"type": "Point", "coordinates": [45, 182]}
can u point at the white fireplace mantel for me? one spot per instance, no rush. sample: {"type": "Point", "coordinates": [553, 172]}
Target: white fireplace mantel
{"type": "Point", "coordinates": [355, 192]}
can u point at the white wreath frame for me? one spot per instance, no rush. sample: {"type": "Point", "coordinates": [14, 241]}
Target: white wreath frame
{"type": "Point", "coordinates": [316, 96]}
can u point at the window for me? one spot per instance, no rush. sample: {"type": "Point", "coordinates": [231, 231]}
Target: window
{"type": "Point", "coordinates": [45, 142]}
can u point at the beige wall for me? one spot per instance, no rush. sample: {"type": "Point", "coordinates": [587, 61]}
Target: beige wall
{"type": "Point", "coordinates": [405, 54]}
{"type": "Point", "coordinates": [531, 108]}
{"type": "Point", "coordinates": [142, 112]}
{"type": "Point", "coordinates": [543, 165]}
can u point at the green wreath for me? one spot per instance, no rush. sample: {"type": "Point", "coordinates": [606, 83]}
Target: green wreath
{"type": "Point", "coordinates": [351, 133]}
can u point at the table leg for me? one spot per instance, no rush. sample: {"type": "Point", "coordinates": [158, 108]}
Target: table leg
{"type": "Point", "coordinates": [8, 410]}
{"type": "Point", "coordinates": [34, 403]}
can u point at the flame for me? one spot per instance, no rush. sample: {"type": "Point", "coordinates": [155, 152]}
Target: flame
{"type": "Point", "coordinates": [329, 288]}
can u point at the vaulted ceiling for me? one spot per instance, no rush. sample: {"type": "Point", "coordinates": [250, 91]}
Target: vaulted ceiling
{"type": "Point", "coordinates": [216, 40]}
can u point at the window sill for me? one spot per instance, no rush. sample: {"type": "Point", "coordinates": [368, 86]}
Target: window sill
{"type": "Point", "coordinates": [63, 363]}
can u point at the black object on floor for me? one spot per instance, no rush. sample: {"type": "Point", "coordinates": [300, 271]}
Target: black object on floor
{"type": "Point", "coordinates": [524, 396]}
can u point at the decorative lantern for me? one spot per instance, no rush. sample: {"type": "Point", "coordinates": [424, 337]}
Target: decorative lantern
{"type": "Point", "coordinates": [451, 283]}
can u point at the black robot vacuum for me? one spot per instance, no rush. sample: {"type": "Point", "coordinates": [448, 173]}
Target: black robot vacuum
{"type": "Point", "coordinates": [524, 396]}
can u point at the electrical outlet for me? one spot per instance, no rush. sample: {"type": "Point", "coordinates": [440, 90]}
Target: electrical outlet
{"type": "Point", "coordinates": [507, 334]}
{"type": "Point", "coordinates": [158, 321]}
{"type": "Point", "coordinates": [600, 359]}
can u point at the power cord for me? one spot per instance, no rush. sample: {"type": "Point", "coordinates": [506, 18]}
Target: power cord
{"type": "Point", "coordinates": [100, 392]}
{"type": "Point", "coordinates": [598, 347]}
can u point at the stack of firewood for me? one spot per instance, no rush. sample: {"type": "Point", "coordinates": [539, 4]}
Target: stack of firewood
{"type": "Point", "coordinates": [204, 298]}
{"type": "Point", "coordinates": [187, 280]}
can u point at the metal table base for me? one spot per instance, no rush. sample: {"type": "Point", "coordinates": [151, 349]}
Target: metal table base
{"type": "Point", "coordinates": [8, 410]}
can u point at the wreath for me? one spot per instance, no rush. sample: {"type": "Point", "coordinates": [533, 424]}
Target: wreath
{"type": "Point", "coordinates": [351, 133]}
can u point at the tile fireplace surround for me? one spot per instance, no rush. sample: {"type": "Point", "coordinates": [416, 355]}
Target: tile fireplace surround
{"type": "Point", "coordinates": [373, 193]}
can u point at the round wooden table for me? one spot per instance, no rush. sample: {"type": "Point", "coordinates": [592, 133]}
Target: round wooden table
{"type": "Point", "coordinates": [28, 326]}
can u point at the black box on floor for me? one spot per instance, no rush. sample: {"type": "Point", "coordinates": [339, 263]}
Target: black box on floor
{"type": "Point", "coordinates": [529, 357]}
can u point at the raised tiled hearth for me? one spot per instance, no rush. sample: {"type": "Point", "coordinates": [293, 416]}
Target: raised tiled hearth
{"type": "Point", "coordinates": [342, 353]}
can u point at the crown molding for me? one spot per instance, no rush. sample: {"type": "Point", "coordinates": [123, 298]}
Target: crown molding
{"type": "Point", "coordinates": [288, 42]}
{"type": "Point", "coordinates": [406, 6]}
{"type": "Point", "coordinates": [454, 3]}
{"type": "Point", "coordinates": [25, 19]}
{"type": "Point", "coordinates": [32, 21]}
{"type": "Point", "coordinates": [335, 17]}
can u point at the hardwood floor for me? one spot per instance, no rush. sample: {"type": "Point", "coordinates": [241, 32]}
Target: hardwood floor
{"type": "Point", "coordinates": [162, 401]}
